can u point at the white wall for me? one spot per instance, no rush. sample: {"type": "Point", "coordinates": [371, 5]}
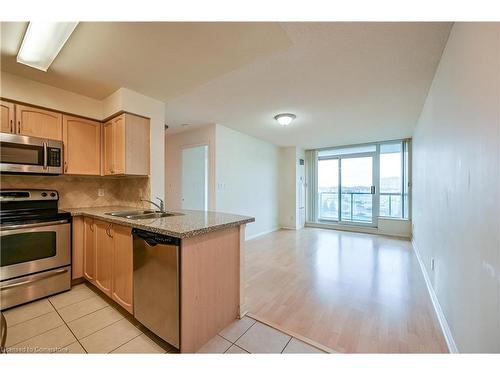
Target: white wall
{"type": "Point", "coordinates": [173, 162]}
{"type": "Point", "coordinates": [456, 191]}
{"type": "Point", "coordinates": [289, 186]}
{"type": "Point", "coordinates": [247, 179]}
{"type": "Point", "coordinates": [300, 188]}
{"type": "Point", "coordinates": [28, 91]}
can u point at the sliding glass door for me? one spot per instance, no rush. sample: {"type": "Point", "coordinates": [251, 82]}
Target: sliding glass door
{"type": "Point", "coordinates": [357, 189]}
{"type": "Point", "coordinates": [357, 184]}
{"type": "Point", "coordinates": [328, 189]}
{"type": "Point", "coordinates": [346, 188]}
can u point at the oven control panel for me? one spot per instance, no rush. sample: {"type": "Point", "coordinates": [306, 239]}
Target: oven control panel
{"type": "Point", "coordinates": [28, 195]}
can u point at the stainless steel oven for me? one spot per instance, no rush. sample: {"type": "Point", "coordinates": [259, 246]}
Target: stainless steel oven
{"type": "Point", "coordinates": [31, 155]}
{"type": "Point", "coordinates": [35, 255]}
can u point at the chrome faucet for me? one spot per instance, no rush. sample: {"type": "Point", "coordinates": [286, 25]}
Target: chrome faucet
{"type": "Point", "coordinates": [160, 206]}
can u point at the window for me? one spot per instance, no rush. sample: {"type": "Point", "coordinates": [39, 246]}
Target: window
{"type": "Point", "coordinates": [328, 189]}
{"type": "Point", "coordinates": [394, 180]}
{"type": "Point", "coordinates": [391, 180]}
{"type": "Point", "coordinates": [357, 184]}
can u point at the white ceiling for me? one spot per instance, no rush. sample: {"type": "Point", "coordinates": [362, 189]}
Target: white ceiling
{"type": "Point", "coordinates": [157, 59]}
{"type": "Point", "coordinates": [346, 82]}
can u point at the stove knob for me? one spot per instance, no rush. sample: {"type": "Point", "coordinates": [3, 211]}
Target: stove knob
{"type": "Point", "coordinates": [52, 194]}
{"type": "Point", "coordinates": [44, 194]}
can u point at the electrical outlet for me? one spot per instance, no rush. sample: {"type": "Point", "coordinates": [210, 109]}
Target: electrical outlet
{"type": "Point", "coordinates": [100, 192]}
{"type": "Point", "coordinates": [433, 263]}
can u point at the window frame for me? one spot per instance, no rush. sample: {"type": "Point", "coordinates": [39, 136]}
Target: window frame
{"type": "Point", "coordinates": [312, 212]}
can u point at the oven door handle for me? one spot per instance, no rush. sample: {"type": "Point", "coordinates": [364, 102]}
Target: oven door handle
{"type": "Point", "coordinates": [33, 225]}
{"type": "Point", "coordinates": [45, 155]}
{"type": "Point", "coordinates": [35, 279]}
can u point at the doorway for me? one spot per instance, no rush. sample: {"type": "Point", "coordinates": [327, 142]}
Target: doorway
{"type": "Point", "coordinates": [195, 178]}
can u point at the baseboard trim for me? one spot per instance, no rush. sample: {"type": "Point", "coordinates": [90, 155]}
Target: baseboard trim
{"type": "Point", "coordinates": [356, 229]}
{"type": "Point", "coordinates": [261, 234]}
{"type": "Point", "coordinates": [445, 328]}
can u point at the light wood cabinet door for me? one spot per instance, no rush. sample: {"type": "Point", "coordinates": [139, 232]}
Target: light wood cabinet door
{"type": "Point", "coordinates": [137, 145]}
{"type": "Point", "coordinates": [108, 149]}
{"type": "Point", "coordinates": [7, 120]}
{"type": "Point", "coordinates": [119, 144]}
{"type": "Point", "coordinates": [82, 146]}
{"type": "Point", "coordinates": [104, 256]}
{"type": "Point", "coordinates": [38, 122]}
{"type": "Point", "coordinates": [89, 249]}
{"type": "Point", "coordinates": [127, 145]}
{"type": "Point", "coordinates": [78, 248]}
{"type": "Point", "coordinates": [123, 267]}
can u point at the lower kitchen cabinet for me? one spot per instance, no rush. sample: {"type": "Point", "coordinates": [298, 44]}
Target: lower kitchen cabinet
{"type": "Point", "coordinates": [104, 256]}
{"type": "Point", "coordinates": [108, 260]}
{"type": "Point", "coordinates": [123, 270]}
{"type": "Point", "coordinates": [89, 240]}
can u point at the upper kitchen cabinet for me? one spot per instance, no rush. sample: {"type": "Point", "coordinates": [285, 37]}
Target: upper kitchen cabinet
{"type": "Point", "coordinates": [127, 145]}
{"type": "Point", "coordinates": [7, 119]}
{"type": "Point", "coordinates": [82, 146]}
{"type": "Point", "coordinates": [38, 122]}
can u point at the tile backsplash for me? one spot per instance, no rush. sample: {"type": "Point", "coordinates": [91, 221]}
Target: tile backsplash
{"type": "Point", "coordinates": [83, 191]}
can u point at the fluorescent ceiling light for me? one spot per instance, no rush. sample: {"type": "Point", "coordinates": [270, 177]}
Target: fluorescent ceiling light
{"type": "Point", "coordinates": [42, 43]}
{"type": "Point", "coordinates": [285, 119]}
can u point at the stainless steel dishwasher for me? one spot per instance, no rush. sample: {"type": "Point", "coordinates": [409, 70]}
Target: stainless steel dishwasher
{"type": "Point", "coordinates": [156, 284]}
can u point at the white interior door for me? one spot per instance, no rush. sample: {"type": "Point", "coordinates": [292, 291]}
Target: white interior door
{"type": "Point", "coordinates": [302, 193]}
{"type": "Point", "coordinates": [195, 178]}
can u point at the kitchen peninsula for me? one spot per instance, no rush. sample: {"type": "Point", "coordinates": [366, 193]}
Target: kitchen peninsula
{"type": "Point", "coordinates": [210, 259]}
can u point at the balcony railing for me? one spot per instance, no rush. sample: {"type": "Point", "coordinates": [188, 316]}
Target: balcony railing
{"type": "Point", "coordinates": [357, 206]}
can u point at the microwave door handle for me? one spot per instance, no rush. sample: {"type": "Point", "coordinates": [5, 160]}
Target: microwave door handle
{"type": "Point", "coordinates": [45, 156]}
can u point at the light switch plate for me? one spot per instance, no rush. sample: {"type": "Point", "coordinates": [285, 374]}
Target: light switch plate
{"type": "Point", "coordinates": [100, 192]}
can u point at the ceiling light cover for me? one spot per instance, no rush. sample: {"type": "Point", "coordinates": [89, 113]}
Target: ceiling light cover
{"type": "Point", "coordinates": [42, 43]}
{"type": "Point", "coordinates": [285, 119]}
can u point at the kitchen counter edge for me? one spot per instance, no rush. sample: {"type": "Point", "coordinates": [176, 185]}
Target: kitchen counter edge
{"type": "Point", "coordinates": [160, 228]}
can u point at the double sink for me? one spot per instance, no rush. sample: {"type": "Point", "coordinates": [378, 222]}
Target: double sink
{"type": "Point", "coordinates": [143, 214]}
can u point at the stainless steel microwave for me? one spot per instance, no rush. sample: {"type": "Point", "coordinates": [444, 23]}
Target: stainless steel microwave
{"type": "Point", "coordinates": [30, 155]}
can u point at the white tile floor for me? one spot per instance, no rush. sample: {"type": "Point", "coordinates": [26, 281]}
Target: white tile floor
{"type": "Point", "coordinates": [77, 321]}
{"type": "Point", "coordinates": [82, 321]}
{"type": "Point", "coordinates": [250, 336]}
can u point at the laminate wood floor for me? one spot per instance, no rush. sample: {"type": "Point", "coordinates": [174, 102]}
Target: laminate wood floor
{"type": "Point", "coordinates": [353, 292]}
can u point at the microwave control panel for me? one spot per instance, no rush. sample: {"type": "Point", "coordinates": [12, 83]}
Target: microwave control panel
{"type": "Point", "coordinates": [54, 157]}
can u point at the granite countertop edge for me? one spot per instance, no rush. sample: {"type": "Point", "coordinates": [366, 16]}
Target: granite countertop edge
{"type": "Point", "coordinates": [162, 226]}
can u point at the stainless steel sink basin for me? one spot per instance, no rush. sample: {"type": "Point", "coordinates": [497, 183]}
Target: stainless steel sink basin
{"type": "Point", "coordinates": [130, 213]}
{"type": "Point", "coordinates": [153, 215]}
{"type": "Point", "coordinates": [142, 214]}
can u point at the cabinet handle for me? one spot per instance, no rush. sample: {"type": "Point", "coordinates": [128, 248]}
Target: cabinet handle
{"type": "Point", "coordinates": [92, 227]}
{"type": "Point", "coordinates": [108, 230]}
{"type": "Point", "coordinates": [11, 126]}
{"type": "Point", "coordinates": [19, 127]}
{"type": "Point", "coordinates": [65, 166]}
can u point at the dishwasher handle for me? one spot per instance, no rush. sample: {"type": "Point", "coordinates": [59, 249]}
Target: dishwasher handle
{"type": "Point", "coordinates": [153, 239]}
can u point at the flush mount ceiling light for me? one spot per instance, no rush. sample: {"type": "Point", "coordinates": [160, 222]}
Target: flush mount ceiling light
{"type": "Point", "coordinates": [285, 119]}
{"type": "Point", "coordinates": [42, 43]}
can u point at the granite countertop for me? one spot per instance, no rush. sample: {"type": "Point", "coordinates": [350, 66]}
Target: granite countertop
{"type": "Point", "coordinates": [192, 223]}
